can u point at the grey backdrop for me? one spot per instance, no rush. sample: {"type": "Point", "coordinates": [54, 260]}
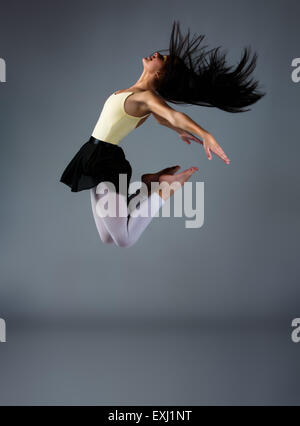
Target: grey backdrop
{"type": "Point", "coordinates": [237, 274]}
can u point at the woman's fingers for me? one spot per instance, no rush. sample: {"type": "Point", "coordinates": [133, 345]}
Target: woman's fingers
{"type": "Point", "coordinates": [222, 155]}
{"type": "Point", "coordinates": [216, 149]}
{"type": "Point", "coordinates": [196, 140]}
{"type": "Point", "coordinates": [211, 144]}
{"type": "Point", "coordinates": [209, 156]}
{"type": "Point", "coordinates": [185, 139]}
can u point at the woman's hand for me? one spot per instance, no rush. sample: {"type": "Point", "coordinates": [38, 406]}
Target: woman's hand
{"type": "Point", "coordinates": [209, 144]}
{"type": "Point", "coordinates": [187, 137]}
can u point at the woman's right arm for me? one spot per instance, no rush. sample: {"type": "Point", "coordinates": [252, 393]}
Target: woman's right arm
{"type": "Point", "coordinates": [156, 104]}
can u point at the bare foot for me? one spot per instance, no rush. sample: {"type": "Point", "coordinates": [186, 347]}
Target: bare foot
{"type": "Point", "coordinates": [154, 177]}
{"type": "Point", "coordinates": [170, 183]}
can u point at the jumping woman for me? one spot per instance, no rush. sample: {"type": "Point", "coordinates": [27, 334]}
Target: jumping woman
{"type": "Point", "coordinates": [179, 77]}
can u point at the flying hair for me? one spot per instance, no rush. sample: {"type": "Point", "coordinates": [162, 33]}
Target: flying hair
{"type": "Point", "coordinates": [200, 76]}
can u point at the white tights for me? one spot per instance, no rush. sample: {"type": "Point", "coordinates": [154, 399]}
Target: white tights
{"type": "Point", "coordinates": [125, 231]}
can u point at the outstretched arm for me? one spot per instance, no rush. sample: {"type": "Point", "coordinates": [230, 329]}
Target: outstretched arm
{"type": "Point", "coordinates": [165, 122]}
{"type": "Point", "coordinates": [183, 134]}
{"type": "Point", "coordinates": [156, 104]}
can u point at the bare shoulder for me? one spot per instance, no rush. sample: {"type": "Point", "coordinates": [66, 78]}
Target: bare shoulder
{"type": "Point", "coordinates": [151, 94]}
{"type": "Point", "coordinates": [137, 104]}
{"type": "Point", "coordinates": [154, 98]}
{"type": "Point", "coordinates": [148, 101]}
{"type": "Point", "coordinates": [144, 98]}
{"type": "Point", "coordinates": [156, 104]}
{"type": "Point", "coordinates": [146, 94]}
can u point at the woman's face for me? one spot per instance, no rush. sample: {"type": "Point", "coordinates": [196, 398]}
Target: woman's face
{"type": "Point", "coordinates": [155, 62]}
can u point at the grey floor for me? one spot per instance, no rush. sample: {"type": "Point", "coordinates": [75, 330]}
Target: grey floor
{"type": "Point", "coordinates": [145, 364]}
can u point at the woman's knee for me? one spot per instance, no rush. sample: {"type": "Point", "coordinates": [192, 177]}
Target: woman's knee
{"type": "Point", "coordinates": [106, 239]}
{"type": "Point", "coordinates": [124, 242]}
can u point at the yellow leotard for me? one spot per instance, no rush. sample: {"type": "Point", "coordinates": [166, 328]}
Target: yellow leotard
{"type": "Point", "coordinates": [114, 123]}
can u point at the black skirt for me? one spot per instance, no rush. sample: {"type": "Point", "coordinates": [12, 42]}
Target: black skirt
{"type": "Point", "coordinates": [95, 162]}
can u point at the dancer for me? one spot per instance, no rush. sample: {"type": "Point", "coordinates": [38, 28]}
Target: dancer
{"type": "Point", "coordinates": [176, 77]}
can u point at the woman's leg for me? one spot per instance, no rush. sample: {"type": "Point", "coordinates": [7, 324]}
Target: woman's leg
{"type": "Point", "coordinates": [125, 226]}
{"type": "Point", "coordinates": [102, 229]}
{"type": "Point", "coordinates": [146, 179]}
{"type": "Point", "coordinates": [121, 225]}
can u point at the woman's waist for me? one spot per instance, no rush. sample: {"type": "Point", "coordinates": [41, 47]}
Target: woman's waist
{"type": "Point", "coordinates": [96, 141]}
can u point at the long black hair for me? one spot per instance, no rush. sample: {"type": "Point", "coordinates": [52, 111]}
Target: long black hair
{"type": "Point", "coordinates": [206, 79]}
